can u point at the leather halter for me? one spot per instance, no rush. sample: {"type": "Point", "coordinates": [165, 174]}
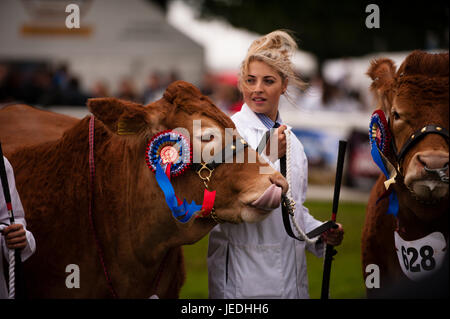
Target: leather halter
{"type": "Point", "coordinates": [205, 170]}
{"type": "Point", "coordinates": [416, 137]}
{"type": "Point", "coordinates": [222, 156]}
{"type": "Point", "coordinates": [218, 159]}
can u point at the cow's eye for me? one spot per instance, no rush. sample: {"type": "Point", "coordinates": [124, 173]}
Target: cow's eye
{"type": "Point", "coordinates": [395, 115]}
{"type": "Point", "coordinates": [207, 138]}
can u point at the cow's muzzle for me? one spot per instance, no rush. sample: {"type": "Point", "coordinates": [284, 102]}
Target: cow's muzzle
{"type": "Point", "coordinates": [427, 176]}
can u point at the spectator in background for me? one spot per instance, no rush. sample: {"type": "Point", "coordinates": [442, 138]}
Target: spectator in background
{"type": "Point", "coordinates": [12, 84]}
{"type": "Point", "coordinates": [173, 76]}
{"type": "Point", "coordinates": [127, 90]}
{"type": "Point", "coordinates": [154, 89]}
{"type": "Point", "coordinates": [323, 95]}
{"type": "Point", "coordinates": [207, 85]}
{"type": "Point", "coordinates": [4, 74]}
{"type": "Point", "coordinates": [335, 97]}
{"type": "Point", "coordinates": [226, 94]}
{"type": "Point", "coordinates": [311, 99]}
{"type": "Point", "coordinates": [228, 98]}
{"type": "Point", "coordinates": [72, 94]}
{"type": "Point", "coordinates": [99, 89]}
{"type": "Point", "coordinates": [61, 77]}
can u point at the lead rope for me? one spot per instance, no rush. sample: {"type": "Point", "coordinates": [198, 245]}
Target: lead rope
{"type": "Point", "coordinates": [292, 203]}
{"type": "Point", "coordinates": [12, 266]}
{"type": "Point", "coordinates": [12, 276]}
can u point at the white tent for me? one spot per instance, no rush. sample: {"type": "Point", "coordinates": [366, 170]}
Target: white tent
{"type": "Point", "coordinates": [225, 46]}
{"type": "Point", "coordinates": [116, 39]}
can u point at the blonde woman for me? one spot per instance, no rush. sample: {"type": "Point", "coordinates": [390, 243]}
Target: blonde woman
{"type": "Point", "coordinates": [260, 260]}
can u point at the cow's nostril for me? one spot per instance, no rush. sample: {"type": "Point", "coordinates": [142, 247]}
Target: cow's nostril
{"type": "Point", "coordinates": [419, 159]}
{"type": "Point", "coordinates": [432, 161]}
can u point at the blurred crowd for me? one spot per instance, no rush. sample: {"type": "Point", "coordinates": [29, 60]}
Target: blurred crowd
{"type": "Point", "coordinates": [46, 86]}
{"type": "Point", "coordinates": [43, 85]}
{"type": "Point", "coordinates": [37, 84]}
{"type": "Point", "coordinates": [325, 95]}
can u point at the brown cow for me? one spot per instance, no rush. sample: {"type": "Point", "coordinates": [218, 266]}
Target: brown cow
{"type": "Point", "coordinates": [414, 96]}
{"type": "Point", "coordinates": [22, 125]}
{"type": "Point", "coordinates": [140, 239]}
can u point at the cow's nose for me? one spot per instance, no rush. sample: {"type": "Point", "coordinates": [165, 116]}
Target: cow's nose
{"type": "Point", "coordinates": [278, 179]}
{"type": "Point", "coordinates": [432, 159]}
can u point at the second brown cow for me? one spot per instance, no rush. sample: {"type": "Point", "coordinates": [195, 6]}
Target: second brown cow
{"type": "Point", "coordinates": [414, 243]}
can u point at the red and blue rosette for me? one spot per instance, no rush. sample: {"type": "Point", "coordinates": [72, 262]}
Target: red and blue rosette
{"type": "Point", "coordinates": [171, 150]}
{"type": "Point", "coordinates": [380, 140]}
{"type": "Point", "coordinates": [169, 154]}
{"type": "Point", "coordinates": [379, 132]}
{"type": "Point", "coordinates": [181, 210]}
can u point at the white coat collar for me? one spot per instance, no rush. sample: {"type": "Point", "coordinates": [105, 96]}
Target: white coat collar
{"type": "Point", "coordinates": [252, 119]}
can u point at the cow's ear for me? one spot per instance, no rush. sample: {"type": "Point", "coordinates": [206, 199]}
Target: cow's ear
{"type": "Point", "coordinates": [181, 92]}
{"type": "Point", "coordinates": [120, 116]}
{"type": "Point", "coordinates": [382, 73]}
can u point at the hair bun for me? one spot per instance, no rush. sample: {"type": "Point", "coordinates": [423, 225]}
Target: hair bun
{"type": "Point", "coordinates": [277, 41]}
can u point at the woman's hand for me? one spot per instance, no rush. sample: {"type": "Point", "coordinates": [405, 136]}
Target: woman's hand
{"type": "Point", "coordinates": [334, 236]}
{"type": "Point", "coordinates": [15, 236]}
{"type": "Point", "coordinates": [281, 140]}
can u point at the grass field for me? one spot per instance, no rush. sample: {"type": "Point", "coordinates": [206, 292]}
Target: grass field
{"type": "Point", "coordinates": [346, 275]}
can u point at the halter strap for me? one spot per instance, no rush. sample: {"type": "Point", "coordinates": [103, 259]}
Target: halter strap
{"type": "Point", "coordinates": [208, 168]}
{"type": "Point", "coordinates": [223, 156]}
{"type": "Point", "coordinates": [416, 136]}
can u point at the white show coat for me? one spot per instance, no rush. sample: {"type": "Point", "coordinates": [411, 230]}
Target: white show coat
{"type": "Point", "coordinates": [19, 217]}
{"type": "Point", "coordinates": [259, 260]}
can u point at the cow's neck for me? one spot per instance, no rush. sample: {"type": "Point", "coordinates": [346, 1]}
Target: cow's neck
{"type": "Point", "coordinates": [133, 247]}
{"type": "Point", "coordinates": [142, 232]}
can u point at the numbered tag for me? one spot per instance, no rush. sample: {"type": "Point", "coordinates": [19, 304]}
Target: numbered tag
{"type": "Point", "coordinates": [421, 257]}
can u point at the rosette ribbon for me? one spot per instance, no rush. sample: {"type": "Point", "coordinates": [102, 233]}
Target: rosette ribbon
{"type": "Point", "coordinates": [380, 138]}
{"type": "Point", "coordinates": [182, 212]}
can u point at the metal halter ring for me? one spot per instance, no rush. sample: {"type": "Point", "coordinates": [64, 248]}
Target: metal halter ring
{"type": "Point", "coordinates": [207, 177]}
{"type": "Point", "coordinates": [440, 172]}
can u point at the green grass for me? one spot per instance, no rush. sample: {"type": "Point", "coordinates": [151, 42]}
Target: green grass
{"type": "Point", "coordinates": [346, 279]}
{"type": "Point", "coordinates": [346, 275]}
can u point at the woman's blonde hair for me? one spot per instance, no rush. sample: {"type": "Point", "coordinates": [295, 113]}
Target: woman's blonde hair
{"type": "Point", "coordinates": [275, 49]}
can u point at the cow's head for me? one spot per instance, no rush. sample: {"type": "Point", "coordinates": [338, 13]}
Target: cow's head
{"type": "Point", "coordinates": [237, 185]}
{"type": "Point", "coordinates": [412, 97]}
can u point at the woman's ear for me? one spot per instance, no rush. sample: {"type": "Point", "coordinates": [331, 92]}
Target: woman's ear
{"type": "Point", "coordinates": [284, 85]}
